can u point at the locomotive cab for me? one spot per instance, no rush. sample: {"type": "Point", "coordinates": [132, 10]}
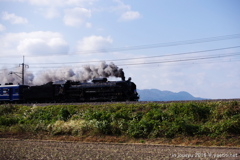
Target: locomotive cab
{"type": "Point", "coordinates": [129, 90]}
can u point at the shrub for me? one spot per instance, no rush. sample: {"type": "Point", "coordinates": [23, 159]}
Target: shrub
{"type": "Point", "coordinates": [142, 128]}
{"type": "Point", "coordinates": [133, 120]}
{"type": "Point", "coordinates": [71, 127]}
{"type": "Point", "coordinates": [8, 121]}
{"type": "Point", "coordinates": [64, 114]}
{"type": "Point", "coordinates": [6, 109]}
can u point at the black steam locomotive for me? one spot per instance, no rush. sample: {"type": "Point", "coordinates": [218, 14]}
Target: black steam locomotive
{"type": "Point", "coordinates": [100, 89]}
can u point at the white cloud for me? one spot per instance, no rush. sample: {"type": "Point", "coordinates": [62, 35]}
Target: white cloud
{"type": "Point", "coordinates": [53, 8]}
{"type": "Point", "coordinates": [2, 27]}
{"type": "Point", "coordinates": [129, 15]}
{"type": "Point", "coordinates": [79, 2]}
{"type": "Point", "coordinates": [33, 43]}
{"type": "Point", "coordinates": [58, 3]}
{"type": "Point", "coordinates": [12, 18]}
{"type": "Point", "coordinates": [76, 16]}
{"type": "Point", "coordinates": [43, 2]}
{"type": "Point", "coordinates": [50, 12]}
{"type": "Point", "coordinates": [121, 6]}
{"type": "Point", "coordinates": [94, 43]}
{"type": "Point", "coordinates": [88, 25]}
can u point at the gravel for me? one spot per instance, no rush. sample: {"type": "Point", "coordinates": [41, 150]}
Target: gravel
{"type": "Point", "coordinates": [12, 149]}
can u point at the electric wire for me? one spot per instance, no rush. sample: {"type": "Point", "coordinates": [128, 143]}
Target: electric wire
{"type": "Point", "coordinates": [148, 57]}
{"type": "Point", "coordinates": [181, 60]}
{"type": "Point", "coordinates": [128, 59]}
{"type": "Point", "coordinates": [168, 60]}
{"type": "Point", "coordinates": [201, 40]}
{"type": "Point", "coordinates": [162, 61]}
{"type": "Point", "coordinates": [147, 46]}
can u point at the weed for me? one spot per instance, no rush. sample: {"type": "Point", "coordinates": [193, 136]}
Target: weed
{"type": "Point", "coordinates": [151, 120]}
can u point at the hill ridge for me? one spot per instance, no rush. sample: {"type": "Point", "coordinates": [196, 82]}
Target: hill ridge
{"type": "Point", "coordinates": [158, 95]}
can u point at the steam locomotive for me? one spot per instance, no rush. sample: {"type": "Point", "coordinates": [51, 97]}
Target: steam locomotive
{"type": "Point", "coordinates": [100, 89]}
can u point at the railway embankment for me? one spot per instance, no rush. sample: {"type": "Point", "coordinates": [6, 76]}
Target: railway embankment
{"type": "Point", "coordinates": [208, 123]}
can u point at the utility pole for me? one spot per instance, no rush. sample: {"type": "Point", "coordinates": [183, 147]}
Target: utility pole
{"type": "Point", "coordinates": [16, 73]}
{"type": "Point", "coordinates": [23, 66]}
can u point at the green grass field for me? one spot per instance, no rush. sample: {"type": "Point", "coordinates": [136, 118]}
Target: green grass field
{"type": "Point", "coordinates": [197, 123]}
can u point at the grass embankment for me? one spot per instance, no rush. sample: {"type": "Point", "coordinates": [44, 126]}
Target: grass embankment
{"type": "Point", "coordinates": [194, 123]}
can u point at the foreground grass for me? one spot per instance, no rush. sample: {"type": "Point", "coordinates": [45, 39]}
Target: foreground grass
{"type": "Point", "coordinates": [195, 123]}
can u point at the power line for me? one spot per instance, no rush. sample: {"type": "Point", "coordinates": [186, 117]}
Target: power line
{"type": "Point", "coordinates": [6, 69]}
{"type": "Point", "coordinates": [150, 63]}
{"type": "Point", "coordinates": [168, 44]}
{"type": "Point", "coordinates": [182, 60]}
{"type": "Point", "coordinates": [182, 64]}
{"type": "Point", "coordinates": [127, 59]}
{"type": "Point", "coordinates": [177, 43]}
{"type": "Point", "coordinates": [147, 46]}
{"type": "Point", "coordinates": [169, 61]}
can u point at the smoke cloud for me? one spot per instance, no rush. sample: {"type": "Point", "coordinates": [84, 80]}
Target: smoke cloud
{"type": "Point", "coordinates": [15, 76]}
{"type": "Point", "coordinates": [83, 74]}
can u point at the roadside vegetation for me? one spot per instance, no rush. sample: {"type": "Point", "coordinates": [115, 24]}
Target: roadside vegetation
{"type": "Point", "coordinates": [196, 123]}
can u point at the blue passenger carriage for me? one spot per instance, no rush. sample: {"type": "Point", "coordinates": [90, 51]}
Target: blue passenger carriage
{"type": "Point", "coordinates": [10, 92]}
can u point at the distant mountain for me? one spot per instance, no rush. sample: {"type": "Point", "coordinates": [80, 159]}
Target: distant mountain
{"type": "Point", "coordinates": [157, 95]}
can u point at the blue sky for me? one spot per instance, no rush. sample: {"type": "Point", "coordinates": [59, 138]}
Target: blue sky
{"type": "Point", "coordinates": [142, 37]}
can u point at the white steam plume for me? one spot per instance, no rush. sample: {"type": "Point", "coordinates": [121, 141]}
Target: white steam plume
{"type": "Point", "coordinates": [15, 76]}
{"type": "Point", "coordinates": [84, 74]}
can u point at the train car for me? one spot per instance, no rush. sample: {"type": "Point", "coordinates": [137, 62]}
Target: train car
{"type": "Point", "coordinates": [11, 93]}
{"type": "Point", "coordinates": [100, 89]}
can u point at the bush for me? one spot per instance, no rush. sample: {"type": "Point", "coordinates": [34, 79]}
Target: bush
{"type": "Point", "coordinates": [71, 127]}
{"type": "Point", "coordinates": [8, 121]}
{"type": "Point", "coordinates": [133, 120]}
{"type": "Point", "coordinates": [64, 114]}
{"type": "Point", "coordinates": [6, 109]}
{"type": "Point", "coordinates": [142, 128]}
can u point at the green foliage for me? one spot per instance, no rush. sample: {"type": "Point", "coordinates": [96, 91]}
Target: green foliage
{"type": "Point", "coordinates": [8, 121]}
{"type": "Point", "coordinates": [138, 120]}
{"type": "Point", "coordinates": [142, 128]}
{"type": "Point", "coordinates": [64, 114]}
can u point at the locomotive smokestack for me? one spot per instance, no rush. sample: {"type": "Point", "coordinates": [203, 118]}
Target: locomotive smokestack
{"type": "Point", "coordinates": [121, 74]}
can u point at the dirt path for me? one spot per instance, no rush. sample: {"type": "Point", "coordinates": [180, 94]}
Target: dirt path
{"type": "Point", "coordinates": [35, 149]}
